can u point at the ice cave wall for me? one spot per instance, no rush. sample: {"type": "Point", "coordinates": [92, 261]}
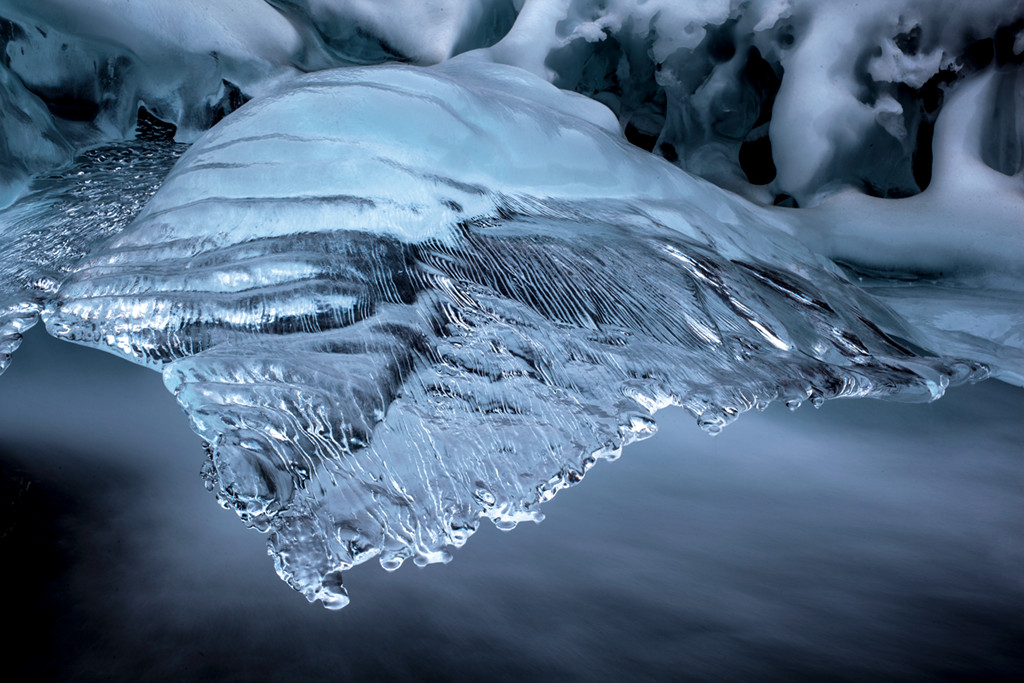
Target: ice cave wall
{"type": "Point", "coordinates": [783, 101]}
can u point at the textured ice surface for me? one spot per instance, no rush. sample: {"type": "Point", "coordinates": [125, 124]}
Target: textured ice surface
{"type": "Point", "coordinates": [74, 74]}
{"type": "Point", "coordinates": [65, 215]}
{"type": "Point", "coordinates": [396, 301]}
{"type": "Point", "coordinates": [779, 100]}
{"type": "Point", "coordinates": [950, 259]}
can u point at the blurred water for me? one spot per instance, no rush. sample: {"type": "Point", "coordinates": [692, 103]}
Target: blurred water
{"type": "Point", "coordinates": [866, 540]}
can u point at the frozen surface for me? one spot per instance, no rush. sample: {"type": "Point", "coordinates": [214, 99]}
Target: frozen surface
{"type": "Point", "coordinates": [28, 142]}
{"type": "Point", "coordinates": [397, 300]}
{"type": "Point", "coordinates": [867, 540]}
{"type": "Point", "coordinates": [74, 74]}
{"type": "Point", "coordinates": [784, 101]}
{"type": "Point", "coordinates": [386, 333]}
{"type": "Point", "coordinates": [65, 215]}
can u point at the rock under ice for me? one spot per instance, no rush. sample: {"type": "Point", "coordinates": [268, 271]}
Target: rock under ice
{"type": "Point", "coordinates": [396, 300]}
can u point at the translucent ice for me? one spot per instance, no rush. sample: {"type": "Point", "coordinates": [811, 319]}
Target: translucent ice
{"type": "Point", "coordinates": [398, 300]}
{"type": "Point", "coordinates": [65, 215]}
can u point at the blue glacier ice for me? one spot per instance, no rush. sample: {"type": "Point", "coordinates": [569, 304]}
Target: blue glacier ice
{"type": "Point", "coordinates": [397, 300]}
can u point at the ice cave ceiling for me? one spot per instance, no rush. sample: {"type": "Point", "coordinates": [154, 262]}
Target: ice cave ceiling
{"type": "Point", "coordinates": [409, 265]}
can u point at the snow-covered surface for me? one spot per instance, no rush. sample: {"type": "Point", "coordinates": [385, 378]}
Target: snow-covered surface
{"type": "Point", "coordinates": [970, 219]}
{"type": "Point", "coordinates": [791, 98]}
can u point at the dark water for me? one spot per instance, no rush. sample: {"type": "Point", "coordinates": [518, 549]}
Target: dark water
{"type": "Point", "coordinates": [864, 541]}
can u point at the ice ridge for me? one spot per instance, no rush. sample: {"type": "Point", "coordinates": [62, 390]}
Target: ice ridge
{"type": "Point", "coordinates": [396, 301]}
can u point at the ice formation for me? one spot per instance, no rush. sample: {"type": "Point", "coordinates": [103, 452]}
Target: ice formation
{"type": "Point", "coordinates": [397, 299]}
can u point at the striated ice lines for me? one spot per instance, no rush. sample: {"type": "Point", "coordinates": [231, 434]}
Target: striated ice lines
{"type": "Point", "coordinates": [390, 321]}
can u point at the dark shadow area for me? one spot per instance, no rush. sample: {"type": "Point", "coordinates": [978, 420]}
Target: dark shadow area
{"type": "Point", "coordinates": [151, 129]}
{"type": "Point", "coordinates": [60, 540]}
